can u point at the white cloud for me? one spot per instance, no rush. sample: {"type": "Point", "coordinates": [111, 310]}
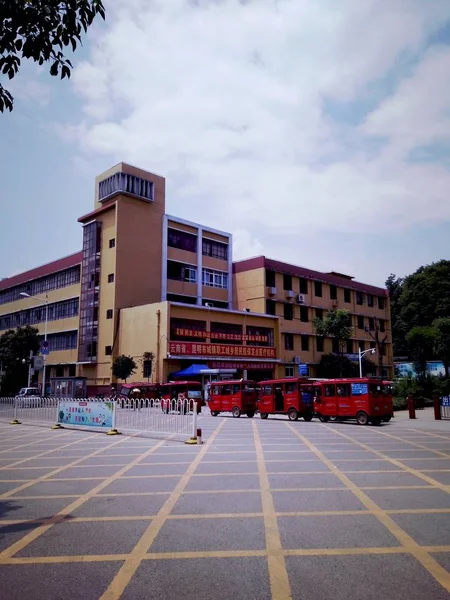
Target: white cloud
{"type": "Point", "coordinates": [226, 97]}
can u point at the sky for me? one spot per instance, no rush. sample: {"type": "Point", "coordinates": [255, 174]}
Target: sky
{"type": "Point", "coordinates": [317, 133]}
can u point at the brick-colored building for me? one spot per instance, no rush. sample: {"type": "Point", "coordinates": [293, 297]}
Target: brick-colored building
{"type": "Point", "coordinates": [146, 281]}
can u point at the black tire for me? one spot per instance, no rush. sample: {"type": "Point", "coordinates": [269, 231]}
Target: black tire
{"type": "Point", "coordinates": [263, 415]}
{"type": "Point", "coordinates": [214, 413]}
{"type": "Point", "coordinates": [292, 414]}
{"type": "Point", "coordinates": [323, 418]}
{"type": "Point", "coordinates": [307, 417]}
{"type": "Point", "coordinates": [250, 414]}
{"type": "Point", "coordinates": [387, 418]}
{"type": "Point", "coordinates": [375, 420]}
{"type": "Point", "coordinates": [362, 418]}
{"type": "Point", "coordinates": [236, 412]}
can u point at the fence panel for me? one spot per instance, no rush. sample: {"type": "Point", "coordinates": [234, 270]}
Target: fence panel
{"type": "Point", "coordinates": [445, 407]}
{"type": "Point", "coordinates": [6, 409]}
{"type": "Point", "coordinates": [160, 416]}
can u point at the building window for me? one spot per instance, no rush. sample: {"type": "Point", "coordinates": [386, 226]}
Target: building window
{"type": "Point", "coordinates": [289, 371]}
{"type": "Point", "coordinates": [180, 272]}
{"type": "Point", "coordinates": [318, 289]}
{"type": "Point", "coordinates": [217, 279]}
{"type": "Point", "coordinates": [304, 314]}
{"type": "Point", "coordinates": [333, 292]}
{"type": "Point", "coordinates": [380, 303]}
{"type": "Point", "coordinates": [288, 341]}
{"type": "Point", "coordinates": [147, 369]}
{"type": "Point", "coordinates": [287, 282]}
{"type": "Point", "coordinates": [72, 370]}
{"type": "Point", "coordinates": [370, 300]}
{"type": "Point", "coordinates": [360, 322]}
{"type": "Point", "coordinates": [109, 313]}
{"type": "Point", "coordinates": [112, 243]}
{"type": "Point", "coordinates": [305, 343]}
{"type": "Point", "coordinates": [372, 345]}
{"type": "Point", "coordinates": [382, 349]}
{"type": "Point", "coordinates": [371, 324]}
{"type": "Point", "coordinates": [288, 312]}
{"type": "Point", "coordinates": [111, 278]}
{"type": "Point", "coordinates": [187, 329]}
{"type": "Point", "coordinates": [359, 298]}
{"type": "Point", "coordinates": [303, 285]}
{"type": "Point", "coordinates": [362, 345]}
{"type": "Point", "coordinates": [349, 346]}
{"type": "Point", "coordinates": [181, 240]}
{"type": "Point", "coordinates": [319, 313]}
{"type": "Point", "coordinates": [108, 350]}
{"type": "Point", "coordinates": [42, 285]}
{"type": "Point", "coordinates": [271, 307]}
{"type": "Point", "coordinates": [347, 295]}
{"type": "Point", "coordinates": [270, 279]}
{"type": "Point", "coordinates": [226, 333]}
{"type": "Point", "coordinates": [66, 340]}
{"type": "Point", "coordinates": [334, 346]}
{"type": "Point", "coordinates": [382, 326]}
{"type": "Point", "coordinates": [125, 183]}
{"type": "Point", "coordinates": [319, 344]}
{"type": "Point", "coordinates": [215, 249]}
{"type": "Point", "coordinates": [89, 297]}
{"type": "Point", "coordinates": [59, 371]}
{"type": "Point", "coordinates": [57, 310]}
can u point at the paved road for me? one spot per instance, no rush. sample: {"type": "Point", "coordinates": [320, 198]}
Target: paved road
{"type": "Point", "coordinates": [264, 510]}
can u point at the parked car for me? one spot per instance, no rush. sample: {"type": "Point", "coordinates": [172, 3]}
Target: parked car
{"type": "Point", "coordinates": [29, 397]}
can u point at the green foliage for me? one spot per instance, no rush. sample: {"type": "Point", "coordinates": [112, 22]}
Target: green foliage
{"type": "Point", "coordinates": [422, 389]}
{"type": "Point", "coordinates": [336, 324]}
{"type": "Point", "coordinates": [332, 366]}
{"type": "Point", "coordinates": [418, 300]}
{"type": "Point", "coordinates": [39, 31]}
{"type": "Point", "coordinates": [442, 341]}
{"type": "Point", "coordinates": [15, 347]}
{"type": "Point", "coordinates": [123, 367]}
{"type": "Point", "coordinates": [421, 343]}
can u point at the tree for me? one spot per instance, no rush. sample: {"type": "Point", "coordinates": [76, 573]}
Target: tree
{"type": "Point", "coordinates": [380, 343]}
{"type": "Point", "coordinates": [417, 300]}
{"type": "Point", "coordinates": [40, 30]}
{"type": "Point", "coordinates": [336, 324]}
{"type": "Point", "coordinates": [123, 367]}
{"type": "Point", "coordinates": [421, 342]}
{"type": "Point", "coordinates": [442, 342]}
{"type": "Point", "coordinates": [15, 348]}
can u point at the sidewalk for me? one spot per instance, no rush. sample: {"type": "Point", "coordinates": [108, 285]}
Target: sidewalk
{"type": "Point", "coordinates": [424, 420]}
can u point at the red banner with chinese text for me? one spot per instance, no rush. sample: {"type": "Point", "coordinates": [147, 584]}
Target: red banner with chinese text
{"type": "Point", "coordinates": [231, 337]}
{"type": "Point", "coordinates": [192, 349]}
{"type": "Point", "coordinates": [242, 365]}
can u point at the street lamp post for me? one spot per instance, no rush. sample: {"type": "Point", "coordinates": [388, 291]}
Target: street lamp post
{"type": "Point", "coordinates": [43, 302]}
{"type": "Point", "coordinates": [361, 353]}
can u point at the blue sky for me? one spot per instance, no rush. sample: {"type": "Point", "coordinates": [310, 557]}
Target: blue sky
{"type": "Point", "coordinates": [331, 150]}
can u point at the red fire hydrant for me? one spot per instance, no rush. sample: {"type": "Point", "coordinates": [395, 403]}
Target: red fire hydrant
{"type": "Point", "coordinates": [411, 407]}
{"type": "Point", "coordinates": [437, 408]}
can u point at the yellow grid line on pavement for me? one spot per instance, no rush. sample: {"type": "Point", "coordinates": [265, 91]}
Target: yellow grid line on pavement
{"type": "Point", "coordinates": [441, 575]}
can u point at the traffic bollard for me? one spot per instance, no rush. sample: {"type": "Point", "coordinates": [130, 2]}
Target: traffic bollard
{"type": "Point", "coordinates": [437, 407]}
{"type": "Point", "coordinates": [411, 407]}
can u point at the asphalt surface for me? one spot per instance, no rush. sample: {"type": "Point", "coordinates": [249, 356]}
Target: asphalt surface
{"type": "Point", "coordinates": [263, 510]}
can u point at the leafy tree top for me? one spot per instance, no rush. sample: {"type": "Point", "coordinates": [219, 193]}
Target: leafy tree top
{"type": "Point", "coordinates": [16, 344]}
{"type": "Point", "coordinates": [336, 324]}
{"type": "Point", "coordinates": [40, 30]}
{"type": "Point", "coordinates": [123, 367]}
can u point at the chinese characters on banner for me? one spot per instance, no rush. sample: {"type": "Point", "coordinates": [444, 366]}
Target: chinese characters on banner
{"type": "Point", "coordinates": [192, 349]}
{"type": "Point", "coordinates": [231, 337]}
{"type": "Point", "coordinates": [87, 414]}
{"type": "Point", "coordinates": [242, 365]}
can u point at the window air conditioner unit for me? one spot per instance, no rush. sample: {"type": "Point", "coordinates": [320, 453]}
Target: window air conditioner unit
{"type": "Point", "coordinates": [272, 291]}
{"type": "Point", "coordinates": [300, 299]}
{"type": "Point", "coordinates": [290, 294]}
{"type": "Point", "coordinates": [296, 360]}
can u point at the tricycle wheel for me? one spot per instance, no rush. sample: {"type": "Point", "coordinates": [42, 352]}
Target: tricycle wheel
{"type": "Point", "coordinates": [375, 420]}
{"type": "Point", "coordinates": [387, 418]}
{"type": "Point", "coordinates": [236, 412]}
{"type": "Point", "coordinates": [214, 413]}
{"type": "Point", "coordinates": [307, 417]}
{"type": "Point", "coordinates": [292, 414]}
{"type": "Point", "coordinates": [362, 418]}
{"type": "Point", "coordinates": [263, 415]}
{"type": "Point", "coordinates": [250, 414]}
{"type": "Point", "coordinates": [323, 418]}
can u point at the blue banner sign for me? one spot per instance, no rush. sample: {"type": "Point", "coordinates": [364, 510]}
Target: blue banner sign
{"type": "Point", "coordinates": [445, 401]}
{"type": "Point", "coordinates": [303, 369]}
{"type": "Point", "coordinates": [86, 414]}
{"type": "Point", "coordinates": [358, 389]}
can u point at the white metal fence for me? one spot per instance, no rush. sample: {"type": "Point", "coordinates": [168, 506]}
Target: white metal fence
{"type": "Point", "coordinates": [164, 417]}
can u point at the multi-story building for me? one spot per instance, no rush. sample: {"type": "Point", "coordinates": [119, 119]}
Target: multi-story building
{"type": "Point", "coordinates": [147, 282]}
{"type": "Point", "coordinates": [297, 295]}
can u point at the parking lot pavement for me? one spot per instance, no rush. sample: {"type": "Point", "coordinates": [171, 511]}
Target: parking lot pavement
{"type": "Point", "coordinates": [263, 510]}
